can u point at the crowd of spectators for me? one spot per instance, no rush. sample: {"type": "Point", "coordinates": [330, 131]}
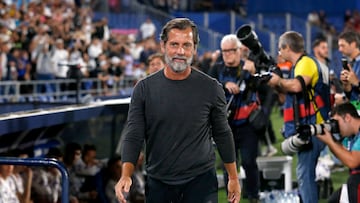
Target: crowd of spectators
{"type": "Point", "coordinates": [198, 5]}
{"type": "Point", "coordinates": [48, 40]}
{"type": "Point", "coordinates": [350, 21]}
{"type": "Point", "coordinates": [91, 180]}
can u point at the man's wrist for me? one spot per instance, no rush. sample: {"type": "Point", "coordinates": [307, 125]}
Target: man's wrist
{"type": "Point", "coordinates": [233, 178]}
{"type": "Point", "coordinates": [356, 85]}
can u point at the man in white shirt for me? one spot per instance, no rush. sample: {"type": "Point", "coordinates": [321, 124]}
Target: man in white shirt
{"type": "Point", "coordinates": [7, 185]}
{"type": "Point", "coordinates": [59, 59]}
{"type": "Point", "coordinates": [147, 29]}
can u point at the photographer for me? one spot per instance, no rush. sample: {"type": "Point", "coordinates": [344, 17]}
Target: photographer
{"type": "Point", "coordinates": [349, 43]}
{"type": "Point", "coordinates": [303, 105]}
{"type": "Point", "coordinates": [348, 152]}
{"type": "Point", "coordinates": [234, 73]}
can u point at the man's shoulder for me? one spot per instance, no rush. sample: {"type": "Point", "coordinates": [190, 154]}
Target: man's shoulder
{"type": "Point", "coordinates": [203, 75]}
{"type": "Point", "coordinates": [306, 64]}
{"type": "Point", "coordinates": [308, 59]}
{"type": "Point", "coordinates": [219, 64]}
{"type": "Point", "coordinates": [152, 76]}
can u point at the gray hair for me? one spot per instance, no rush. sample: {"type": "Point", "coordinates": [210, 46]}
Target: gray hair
{"type": "Point", "coordinates": [293, 40]}
{"type": "Point", "coordinates": [231, 38]}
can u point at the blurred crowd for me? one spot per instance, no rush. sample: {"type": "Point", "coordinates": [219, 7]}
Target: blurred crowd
{"type": "Point", "coordinates": [351, 21]}
{"type": "Point", "coordinates": [48, 40]}
{"type": "Point", "coordinates": [91, 180]}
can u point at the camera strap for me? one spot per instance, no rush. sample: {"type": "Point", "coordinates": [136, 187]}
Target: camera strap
{"type": "Point", "coordinates": [241, 76]}
{"type": "Point", "coordinates": [306, 98]}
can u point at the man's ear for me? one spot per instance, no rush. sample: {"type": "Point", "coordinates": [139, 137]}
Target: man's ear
{"type": "Point", "coordinates": [162, 46]}
{"type": "Point", "coordinates": [347, 117]}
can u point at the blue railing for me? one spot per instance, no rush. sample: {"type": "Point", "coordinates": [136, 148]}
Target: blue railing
{"type": "Point", "coordinates": [43, 162]}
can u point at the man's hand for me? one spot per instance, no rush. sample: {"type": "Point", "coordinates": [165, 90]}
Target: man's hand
{"type": "Point", "coordinates": [232, 87]}
{"type": "Point", "coordinates": [122, 187]}
{"type": "Point", "coordinates": [249, 66]}
{"type": "Point", "coordinates": [234, 190]}
{"type": "Point", "coordinates": [346, 77]}
{"type": "Point", "coordinates": [326, 137]}
{"type": "Point", "coordinates": [274, 80]}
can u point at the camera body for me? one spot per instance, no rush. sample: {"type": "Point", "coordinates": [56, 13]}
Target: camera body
{"type": "Point", "coordinates": [295, 143]}
{"type": "Point", "coordinates": [262, 77]}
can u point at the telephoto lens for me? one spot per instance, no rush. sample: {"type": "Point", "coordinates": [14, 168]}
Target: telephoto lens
{"type": "Point", "coordinates": [318, 129]}
{"type": "Point", "coordinates": [292, 145]}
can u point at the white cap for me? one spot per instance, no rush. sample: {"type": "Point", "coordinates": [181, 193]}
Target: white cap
{"type": "Point", "coordinates": [115, 60]}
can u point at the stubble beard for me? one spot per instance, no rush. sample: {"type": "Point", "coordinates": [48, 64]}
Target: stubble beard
{"type": "Point", "coordinates": [178, 66]}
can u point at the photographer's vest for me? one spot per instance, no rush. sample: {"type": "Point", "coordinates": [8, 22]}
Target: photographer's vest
{"type": "Point", "coordinates": [243, 103]}
{"type": "Point", "coordinates": [309, 102]}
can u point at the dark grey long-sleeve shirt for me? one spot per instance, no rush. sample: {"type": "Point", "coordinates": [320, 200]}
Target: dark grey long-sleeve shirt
{"type": "Point", "coordinates": [177, 119]}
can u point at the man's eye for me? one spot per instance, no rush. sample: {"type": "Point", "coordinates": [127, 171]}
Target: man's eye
{"type": "Point", "coordinates": [187, 46]}
{"type": "Point", "coordinates": [174, 45]}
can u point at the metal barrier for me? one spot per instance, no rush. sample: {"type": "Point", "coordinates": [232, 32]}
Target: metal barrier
{"type": "Point", "coordinates": [43, 162]}
{"type": "Point", "coordinates": [62, 90]}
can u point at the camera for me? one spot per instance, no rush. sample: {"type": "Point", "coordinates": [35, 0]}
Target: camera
{"type": "Point", "coordinates": [263, 77]}
{"type": "Point", "coordinates": [295, 143]}
{"type": "Point", "coordinates": [344, 63]}
{"type": "Point", "coordinates": [263, 62]}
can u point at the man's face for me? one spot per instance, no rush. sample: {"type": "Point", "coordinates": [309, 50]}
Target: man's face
{"type": "Point", "coordinates": [77, 155]}
{"type": "Point", "coordinates": [283, 52]}
{"type": "Point", "coordinates": [344, 125]}
{"type": "Point", "coordinates": [322, 50]}
{"type": "Point", "coordinates": [179, 50]}
{"type": "Point", "coordinates": [345, 48]}
{"type": "Point", "coordinates": [6, 170]}
{"type": "Point", "coordinates": [231, 54]}
{"type": "Point", "coordinates": [155, 64]}
{"type": "Point", "coordinates": [90, 156]}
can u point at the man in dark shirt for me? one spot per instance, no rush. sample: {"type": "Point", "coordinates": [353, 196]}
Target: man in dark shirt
{"type": "Point", "coordinates": [179, 112]}
{"type": "Point", "coordinates": [234, 72]}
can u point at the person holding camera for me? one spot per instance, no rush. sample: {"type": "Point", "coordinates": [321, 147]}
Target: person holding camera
{"type": "Point", "coordinates": [178, 112]}
{"type": "Point", "coordinates": [303, 104]}
{"type": "Point", "coordinates": [349, 46]}
{"type": "Point", "coordinates": [347, 151]}
{"type": "Point", "coordinates": [234, 73]}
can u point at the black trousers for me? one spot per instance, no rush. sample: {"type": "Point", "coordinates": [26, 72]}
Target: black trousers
{"type": "Point", "coordinates": [201, 189]}
{"type": "Point", "coordinates": [247, 148]}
